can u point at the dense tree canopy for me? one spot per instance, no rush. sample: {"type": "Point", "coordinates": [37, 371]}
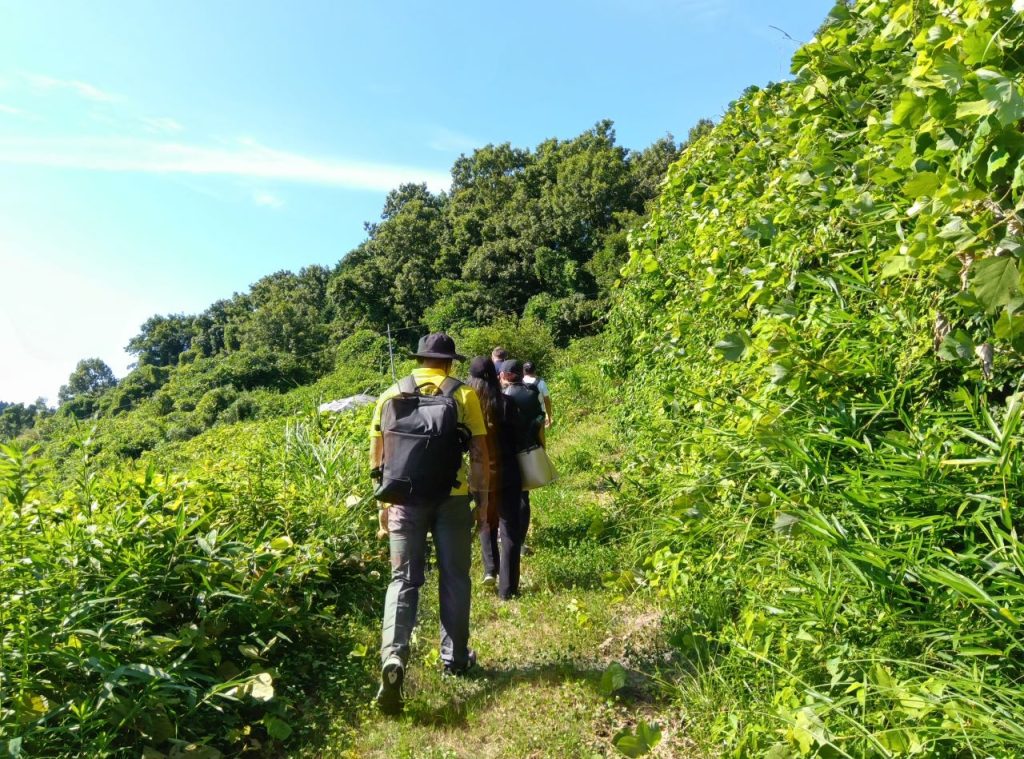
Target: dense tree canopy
{"type": "Point", "coordinates": [538, 232]}
{"type": "Point", "coordinates": [15, 418]}
{"type": "Point", "coordinates": [90, 379]}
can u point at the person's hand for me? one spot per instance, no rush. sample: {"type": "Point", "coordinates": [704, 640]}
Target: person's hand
{"type": "Point", "coordinates": [481, 509]}
{"type": "Point", "coordinates": [382, 522]}
{"type": "Point", "coordinates": [547, 422]}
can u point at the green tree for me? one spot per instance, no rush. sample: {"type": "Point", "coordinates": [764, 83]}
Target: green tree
{"type": "Point", "coordinates": [16, 418]}
{"type": "Point", "coordinates": [288, 314]}
{"type": "Point", "coordinates": [391, 278]}
{"type": "Point", "coordinates": [162, 339]}
{"type": "Point", "coordinates": [87, 383]}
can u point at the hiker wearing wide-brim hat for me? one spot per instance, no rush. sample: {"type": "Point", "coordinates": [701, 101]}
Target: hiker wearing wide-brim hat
{"type": "Point", "coordinates": [437, 345]}
{"type": "Point", "coordinates": [421, 427]}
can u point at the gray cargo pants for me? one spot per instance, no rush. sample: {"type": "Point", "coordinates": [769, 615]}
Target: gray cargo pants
{"type": "Point", "coordinates": [451, 523]}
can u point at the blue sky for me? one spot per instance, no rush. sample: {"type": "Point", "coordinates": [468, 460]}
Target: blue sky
{"type": "Point", "coordinates": [157, 156]}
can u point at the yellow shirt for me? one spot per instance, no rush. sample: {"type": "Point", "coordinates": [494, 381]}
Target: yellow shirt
{"type": "Point", "coordinates": [470, 414]}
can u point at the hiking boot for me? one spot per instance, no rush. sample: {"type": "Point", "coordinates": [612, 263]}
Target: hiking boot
{"type": "Point", "coordinates": [453, 671]}
{"type": "Point", "coordinates": [489, 581]}
{"type": "Point", "coordinates": [389, 697]}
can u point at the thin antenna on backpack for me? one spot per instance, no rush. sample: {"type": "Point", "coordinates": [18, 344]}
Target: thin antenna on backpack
{"type": "Point", "coordinates": [391, 353]}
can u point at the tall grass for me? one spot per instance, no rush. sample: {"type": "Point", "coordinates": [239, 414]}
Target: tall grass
{"type": "Point", "coordinates": [144, 610]}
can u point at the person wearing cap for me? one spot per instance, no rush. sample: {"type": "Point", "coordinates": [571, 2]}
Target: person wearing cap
{"type": "Point", "coordinates": [514, 516]}
{"type": "Point", "coordinates": [498, 356]}
{"type": "Point", "coordinates": [450, 521]}
{"type": "Point", "coordinates": [530, 378]}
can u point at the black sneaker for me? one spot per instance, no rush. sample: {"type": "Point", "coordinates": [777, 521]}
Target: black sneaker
{"type": "Point", "coordinates": [453, 671]}
{"type": "Point", "coordinates": [389, 697]}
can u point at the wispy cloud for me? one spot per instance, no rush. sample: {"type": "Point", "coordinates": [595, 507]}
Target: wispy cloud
{"type": "Point", "coordinates": [161, 124]}
{"type": "Point", "coordinates": [449, 141]}
{"type": "Point", "coordinates": [246, 159]}
{"type": "Point", "coordinates": [267, 199]}
{"type": "Point", "coordinates": [82, 89]}
{"type": "Point", "coordinates": [10, 110]}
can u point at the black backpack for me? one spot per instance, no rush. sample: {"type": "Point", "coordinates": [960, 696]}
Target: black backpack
{"type": "Point", "coordinates": [423, 444]}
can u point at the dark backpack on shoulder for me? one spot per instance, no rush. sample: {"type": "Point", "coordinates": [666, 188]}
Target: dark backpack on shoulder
{"type": "Point", "coordinates": [423, 444]}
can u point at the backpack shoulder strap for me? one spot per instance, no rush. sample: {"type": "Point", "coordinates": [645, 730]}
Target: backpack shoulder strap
{"type": "Point", "coordinates": [449, 386]}
{"type": "Point", "coordinates": [407, 386]}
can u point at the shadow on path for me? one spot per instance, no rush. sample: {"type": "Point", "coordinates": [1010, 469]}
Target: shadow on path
{"type": "Point", "coordinates": [450, 706]}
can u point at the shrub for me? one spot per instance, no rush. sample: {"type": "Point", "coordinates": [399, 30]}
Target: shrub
{"type": "Point", "coordinates": [568, 317]}
{"type": "Point", "coordinates": [245, 407]}
{"type": "Point", "coordinates": [363, 348]}
{"type": "Point", "coordinates": [211, 404]}
{"type": "Point", "coordinates": [819, 352]}
{"type": "Point", "coordinates": [525, 339]}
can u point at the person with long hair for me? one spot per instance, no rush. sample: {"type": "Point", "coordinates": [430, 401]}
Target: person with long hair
{"type": "Point", "coordinates": [504, 480]}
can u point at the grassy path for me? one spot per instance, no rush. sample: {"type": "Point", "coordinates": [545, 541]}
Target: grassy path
{"type": "Point", "coordinates": [538, 690]}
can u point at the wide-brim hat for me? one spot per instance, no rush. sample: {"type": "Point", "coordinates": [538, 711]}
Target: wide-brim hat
{"type": "Point", "coordinates": [437, 345]}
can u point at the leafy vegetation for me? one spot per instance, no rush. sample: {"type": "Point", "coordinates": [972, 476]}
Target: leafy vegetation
{"type": "Point", "coordinates": [813, 357]}
{"type": "Point", "coordinates": [818, 326]}
{"type": "Point", "coordinates": [186, 613]}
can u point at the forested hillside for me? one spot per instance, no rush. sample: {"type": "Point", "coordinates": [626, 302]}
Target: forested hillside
{"type": "Point", "coordinates": [820, 336]}
{"type": "Point", "coordinates": [538, 234]}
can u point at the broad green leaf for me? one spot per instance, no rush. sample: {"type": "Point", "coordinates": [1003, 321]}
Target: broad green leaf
{"type": "Point", "coordinates": [995, 281]}
{"type": "Point", "coordinates": [957, 346]}
{"type": "Point", "coordinates": [923, 183]}
{"type": "Point", "coordinates": [974, 109]}
{"type": "Point", "coordinates": [1002, 94]}
{"type": "Point", "coordinates": [896, 266]}
{"type": "Point", "coordinates": [1010, 327]}
{"type": "Point", "coordinates": [612, 679]}
{"type": "Point", "coordinates": [732, 346]}
{"type": "Point", "coordinates": [649, 733]}
{"type": "Point", "coordinates": [780, 373]}
{"type": "Point", "coordinates": [997, 160]}
{"type": "Point", "coordinates": [282, 543]}
{"type": "Point", "coordinates": [276, 727]}
{"type": "Point", "coordinates": [630, 745]}
{"type": "Point", "coordinates": [909, 109]}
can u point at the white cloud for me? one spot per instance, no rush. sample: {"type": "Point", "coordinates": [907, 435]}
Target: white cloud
{"type": "Point", "coordinates": [450, 141]}
{"type": "Point", "coordinates": [10, 110]}
{"type": "Point", "coordinates": [267, 199]}
{"type": "Point", "coordinates": [82, 89]}
{"type": "Point", "coordinates": [161, 124]}
{"type": "Point", "coordinates": [247, 159]}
